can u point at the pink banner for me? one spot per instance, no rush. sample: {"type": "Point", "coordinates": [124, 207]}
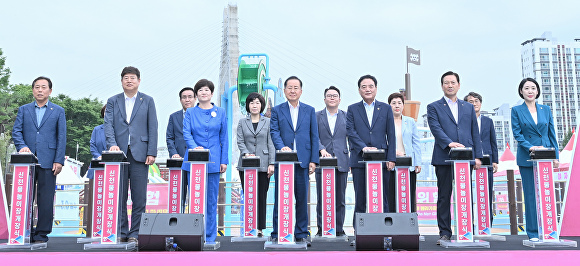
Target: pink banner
{"type": "Point", "coordinates": [403, 191]}
{"type": "Point", "coordinates": [111, 204]}
{"type": "Point", "coordinates": [285, 203]}
{"type": "Point", "coordinates": [175, 190]}
{"type": "Point", "coordinates": [250, 202]}
{"type": "Point", "coordinates": [98, 196]}
{"type": "Point", "coordinates": [21, 212]}
{"type": "Point", "coordinates": [328, 202]}
{"type": "Point", "coordinates": [482, 202]}
{"type": "Point", "coordinates": [375, 187]}
{"type": "Point", "coordinates": [546, 202]}
{"type": "Point", "coordinates": [197, 184]}
{"type": "Point", "coordinates": [463, 209]}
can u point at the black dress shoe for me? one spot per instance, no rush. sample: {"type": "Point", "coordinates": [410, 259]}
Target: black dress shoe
{"type": "Point", "coordinates": [260, 234]}
{"type": "Point", "coordinates": [341, 233]}
{"type": "Point", "coordinates": [303, 240]}
{"type": "Point", "coordinates": [39, 241]}
{"type": "Point", "coordinates": [319, 232]}
{"type": "Point", "coordinates": [273, 239]}
{"type": "Point", "coordinates": [133, 240]}
{"type": "Point", "coordinates": [122, 239]}
{"type": "Point", "coordinates": [443, 238]}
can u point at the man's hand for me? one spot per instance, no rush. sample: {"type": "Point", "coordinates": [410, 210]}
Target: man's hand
{"type": "Point", "coordinates": [286, 148]}
{"type": "Point", "coordinates": [311, 168]}
{"type": "Point", "coordinates": [176, 156]}
{"type": "Point", "coordinates": [369, 148]}
{"type": "Point", "coordinates": [114, 148]}
{"type": "Point", "coordinates": [25, 149]}
{"type": "Point", "coordinates": [556, 163]}
{"type": "Point", "coordinates": [249, 154]}
{"type": "Point", "coordinates": [456, 145]}
{"type": "Point", "coordinates": [390, 166]}
{"type": "Point", "coordinates": [494, 167]}
{"type": "Point", "coordinates": [324, 153]}
{"type": "Point", "coordinates": [56, 168]}
{"type": "Point", "coordinates": [477, 164]}
{"type": "Point", "coordinates": [223, 168]}
{"type": "Point", "coordinates": [150, 160]}
{"type": "Point", "coordinates": [270, 170]}
{"type": "Point", "coordinates": [400, 154]}
{"type": "Point", "coordinates": [417, 169]}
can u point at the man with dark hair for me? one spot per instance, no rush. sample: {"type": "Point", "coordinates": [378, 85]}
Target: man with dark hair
{"type": "Point", "coordinates": [370, 126]}
{"type": "Point", "coordinates": [332, 135]}
{"type": "Point", "coordinates": [40, 128]}
{"type": "Point", "coordinates": [454, 125]}
{"type": "Point", "coordinates": [488, 141]}
{"type": "Point", "coordinates": [174, 135]}
{"type": "Point", "coordinates": [131, 127]}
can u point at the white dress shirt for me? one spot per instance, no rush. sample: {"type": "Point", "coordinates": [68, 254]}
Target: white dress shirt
{"type": "Point", "coordinates": [331, 120]}
{"type": "Point", "coordinates": [453, 107]}
{"type": "Point", "coordinates": [479, 123]}
{"type": "Point", "coordinates": [129, 104]}
{"type": "Point", "coordinates": [294, 116]}
{"type": "Point", "coordinates": [370, 111]}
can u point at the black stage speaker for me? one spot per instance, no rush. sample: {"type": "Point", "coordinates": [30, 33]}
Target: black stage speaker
{"type": "Point", "coordinates": [387, 231]}
{"type": "Point", "coordinates": [171, 231]}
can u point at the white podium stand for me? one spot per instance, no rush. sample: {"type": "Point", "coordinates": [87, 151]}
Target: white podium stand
{"type": "Point", "coordinates": [482, 204]}
{"type": "Point", "coordinates": [249, 232]}
{"type": "Point", "coordinates": [328, 168]}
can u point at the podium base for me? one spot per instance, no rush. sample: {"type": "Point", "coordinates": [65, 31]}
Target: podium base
{"type": "Point", "coordinates": [121, 245]}
{"type": "Point", "coordinates": [249, 239]}
{"type": "Point", "coordinates": [490, 237]}
{"type": "Point", "coordinates": [561, 243]}
{"type": "Point", "coordinates": [269, 245]}
{"type": "Point", "coordinates": [211, 246]}
{"type": "Point", "coordinates": [343, 238]}
{"type": "Point", "coordinates": [84, 240]}
{"type": "Point", "coordinates": [29, 246]}
{"type": "Point", "coordinates": [457, 244]}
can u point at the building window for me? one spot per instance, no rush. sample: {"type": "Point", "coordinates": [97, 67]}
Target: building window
{"type": "Point", "coordinates": [544, 50]}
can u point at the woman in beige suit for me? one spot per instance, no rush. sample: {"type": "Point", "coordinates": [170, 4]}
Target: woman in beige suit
{"type": "Point", "coordinates": [254, 139]}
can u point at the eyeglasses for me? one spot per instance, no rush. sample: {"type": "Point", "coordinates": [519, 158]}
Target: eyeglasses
{"type": "Point", "coordinates": [332, 96]}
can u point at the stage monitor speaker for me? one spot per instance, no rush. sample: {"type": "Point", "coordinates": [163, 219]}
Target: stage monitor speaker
{"type": "Point", "coordinates": [171, 231]}
{"type": "Point", "coordinates": [387, 231]}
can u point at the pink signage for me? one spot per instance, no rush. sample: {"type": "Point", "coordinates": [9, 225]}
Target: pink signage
{"type": "Point", "coordinates": [483, 222]}
{"type": "Point", "coordinates": [112, 175]}
{"type": "Point", "coordinates": [250, 202]}
{"type": "Point", "coordinates": [546, 202]}
{"type": "Point", "coordinates": [20, 214]}
{"type": "Point", "coordinates": [98, 199]}
{"type": "Point", "coordinates": [375, 187]}
{"type": "Point", "coordinates": [463, 209]}
{"type": "Point", "coordinates": [197, 188]}
{"type": "Point", "coordinates": [175, 190]}
{"type": "Point", "coordinates": [403, 190]}
{"type": "Point", "coordinates": [328, 202]}
{"type": "Point", "coordinates": [286, 203]}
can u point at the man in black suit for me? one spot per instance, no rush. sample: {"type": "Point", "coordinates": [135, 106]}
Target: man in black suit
{"type": "Point", "coordinates": [488, 141]}
{"type": "Point", "coordinates": [332, 135]}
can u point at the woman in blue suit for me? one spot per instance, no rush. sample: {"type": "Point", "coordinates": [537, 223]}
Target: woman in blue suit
{"type": "Point", "coordinates": [205, 127]}
{"type": "Point", "coordinates": [408, 144]}
{"type": "Point", "coordinates": [533, 127]}
{"type": "Point", "coordinates": [98, 142]}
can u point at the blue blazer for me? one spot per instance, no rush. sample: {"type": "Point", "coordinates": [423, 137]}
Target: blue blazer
{"type": "Point", "coordinates": [488, 139]}
{"type": "Point", "coordinates": [529, 134]}
{"type": "Point", "coordinates": [98, 141]}
{"type": "Point", "coordinates": [446, 130]}
{"type": "Point", "coordinates": [46, 139]}
{"type": "Point", "coordinates": [306, 132]}
{"type": "Point", "coordinates": [334, 144]}
{"type": "Point", "coordinates": [174, 134]}
{"type": "Point", "coordinates": [380, 135]}
{"type": "Point", "coordinates": [208, 129]}
{"type": "Point", "coordinates": [411, 141]}
{"type": "Point", "coordinates": [142, 126]}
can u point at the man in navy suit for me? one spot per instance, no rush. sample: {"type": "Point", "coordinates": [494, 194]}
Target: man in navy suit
{"type": "Point", "coordinates": [332, 134]}
{"type": "Point", "coordinates": [40, 128]}
{"type": "Point", "coordinates": [488, 141]}
{"type": "Point", "coordinates": [369, 126]}
{"type": "Point", "coordinates": [293, 126]}
{"type": "Point", "coordinates": [131, 127]}
{"type": "Point", "coordinates": [454, 125]}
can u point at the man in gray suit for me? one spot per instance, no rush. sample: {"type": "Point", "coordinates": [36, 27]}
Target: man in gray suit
{"type": "Point", "coordinates": [131, 127]}
{"type": "Point", "coordinates": [332, 134]}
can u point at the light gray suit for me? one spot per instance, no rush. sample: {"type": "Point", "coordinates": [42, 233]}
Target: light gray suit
{"type": "Point", "coordinates": [258, 142]}
{"type": "Point", "coordinates": [335, 144]}
{"type": "Point", "coordinates": [142, 128]}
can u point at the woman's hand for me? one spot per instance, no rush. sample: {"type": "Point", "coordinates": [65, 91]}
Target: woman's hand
{"type": "Point", "coordinates": [536, 147]}
{"type": "Point", "coordinates": [223, 168]}
{"type": "Point", "coordinates": [270, 170]}
{"type": "Point", "coordinates": [417, 169]}
{"type": "Point", "coordinates": [556, 163]}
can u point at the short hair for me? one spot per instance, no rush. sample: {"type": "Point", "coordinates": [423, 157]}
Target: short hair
{"type": "Point", "coordinates": [290, 78]}
{"type": "Point", "coordinates": [396, 95]}
{"type": "Point", "coordinates": [524, 82]}
{"type": "Point", "coordinates": [367, 77]}
{"type": "Point", "coordinates": [186, 89]}
{"type": "Point", "coordinates": [103, 111]}
{"type": "Point", "coordinates": [45, 78]}
{"type": "Point", "coordinates": [474, 95]}
{"type": "Point", "coordinates": [251, 97]}
{"type": "Point", "coordinates": [202, 83]}
{"type": "Point", "coordinates": [332, 88]}
{"type": "Point", "coordinates": [449, 73]}
{"type": "Point", "coordinates": [131, 70]}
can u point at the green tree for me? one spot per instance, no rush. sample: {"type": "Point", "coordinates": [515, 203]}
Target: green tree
{"type": "Point", "coordinates": [566, 139]}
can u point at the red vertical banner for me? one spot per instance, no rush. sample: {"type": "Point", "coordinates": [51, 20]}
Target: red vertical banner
{"type": "Point", "coordinates": [250, 202]}
{"type": "Point", "coordinates": [375, 187]}
{"type": "Point", "coordinates": [403, 192]}
{"type": "Point", "coordinates": [328, 202]}
{"type": "Point", "coordinates": [98, 199]}
{"type": "Point", "coordinates": [197, 179]}
{"type": "Point", "coordinates": [546, 202]}
{"type": "Point", "coordinates": [21, 211]}
{"type": "Point", "coordinates": [112, 178]}
{"type": "Point", "coordinates": [285, 203]}
{"type": "Point", "coordinates": [175, 190]}
{"type": "Point", "coordinates": [463, 208]}
{"type": "Point", "coordinates": [482, 213]}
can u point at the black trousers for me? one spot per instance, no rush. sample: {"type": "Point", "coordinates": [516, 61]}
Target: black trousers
{"type": "Point", "coordinates": [135, 176]}
{"type": "Point", "coordinates": [263, 185]}
{"type": "Point", "coordinates": [45, 182]}
{"type": "Point", "coordinates": [444, 175]}
{"type": "Point", "coordinates": [392, 193]}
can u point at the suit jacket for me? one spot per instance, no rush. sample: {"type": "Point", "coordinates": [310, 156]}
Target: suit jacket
{"type": "Point", "coordinates": [380, 134]}
{"type": "Point", "coordinates": [142, 126]}
{"type": "Point", "coordinates": [488, 140]}
{"type": "Point", "coordinates": [258, 142]}
{"type": "Point", "coordinates": [174, 135]}
{"type": "Point", "coordinates": [98, 141]}
{"type": "Point", "coordinates": [47, 139]}
{"type": "Point", "coordinates": [446, 130]}
{"type": "Point", "coordinates": [529, 134]}
{"type": "Point", "coordinates": [334, 144]}
{"type": "Point", "coordinates": [305, 134]}
{"type": "Point", "coordinates": [411, 141]}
